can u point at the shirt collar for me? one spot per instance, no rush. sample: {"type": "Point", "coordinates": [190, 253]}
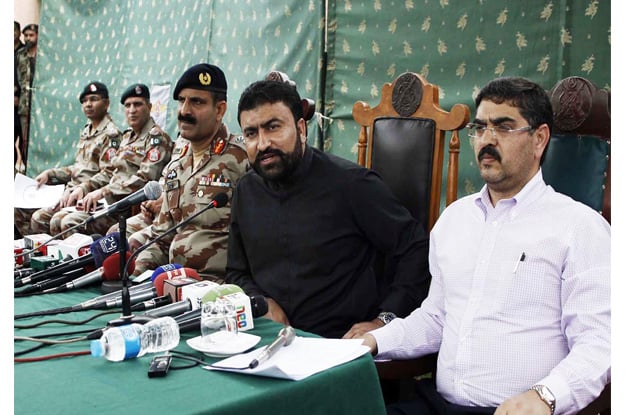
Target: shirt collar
{"type": "Point", "coordinates": [530, 192]}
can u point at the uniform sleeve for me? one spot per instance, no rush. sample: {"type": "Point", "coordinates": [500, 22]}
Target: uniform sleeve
{"type": "Point", "coordinates": [156, 254]}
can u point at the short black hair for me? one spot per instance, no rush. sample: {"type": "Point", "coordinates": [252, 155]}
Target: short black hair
{"type": "Point", "coordinates": [530, 98]}
{"type": "Point", "coordinates": [270, 92]}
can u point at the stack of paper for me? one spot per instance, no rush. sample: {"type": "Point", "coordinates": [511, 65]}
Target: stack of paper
{"type": "Point", "coordinates": [305, 356]}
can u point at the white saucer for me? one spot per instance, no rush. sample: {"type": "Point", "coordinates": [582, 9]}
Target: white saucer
{"type": "Point", "coordinates": [240, 343]}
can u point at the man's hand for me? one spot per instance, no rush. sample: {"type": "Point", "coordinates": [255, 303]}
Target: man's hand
{"type": "Point", "coordinates": [527, 403]}
{"type": "Point", "coordinates": [276, 313]}
{"type": "Point", "coordinates": [74, 197]}
{"type": "Point", "coordinates": [42, 178]}
{"type": "Point", "coordinates": [151, 208]}
{"type": "Point", "coordinates": [359, 329]}
{"type": "Point", "coordinates": [90, 202]}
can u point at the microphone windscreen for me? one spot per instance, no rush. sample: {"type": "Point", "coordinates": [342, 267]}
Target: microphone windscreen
{"type": "Point", "coordinates": [104, 247]}
{"type": "Point", "coordinates": [111, 267]}
{"type": "Point", "coordinates": [220, 291]}
{"type": "Point", "coordinates": [152, 190]}
{"type": "Point", "coordinates": [220, 200]}
{"type": "Point", "coordinates": [177, 273]}
{"type": "Point", "coordinates": [164, 268]}
{"type": "Point", "coordinates": [259, 304]}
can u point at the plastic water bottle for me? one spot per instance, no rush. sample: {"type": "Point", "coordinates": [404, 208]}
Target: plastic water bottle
{"type": "Point", "coordinates": [134, 340]}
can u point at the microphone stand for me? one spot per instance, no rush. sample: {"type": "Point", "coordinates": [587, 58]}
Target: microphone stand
{"type": "Point", "coordinates": [127, 317]}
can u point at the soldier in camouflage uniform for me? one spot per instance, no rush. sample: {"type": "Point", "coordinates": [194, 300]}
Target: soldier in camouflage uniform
{"type": "Point", "coordinates": [212, 163]}
{"type": "Point", "coordinates": [97, 145]}
{"type": "Point", "coordinates": [25, 65]}
{"type": "Point", "coordinates": [144, 151]}
{"type": "Point", "coordinates": [139, 224]}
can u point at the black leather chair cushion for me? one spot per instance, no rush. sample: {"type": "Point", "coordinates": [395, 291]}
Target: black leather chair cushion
{"type": "Point", "coordinates": [402, 153]}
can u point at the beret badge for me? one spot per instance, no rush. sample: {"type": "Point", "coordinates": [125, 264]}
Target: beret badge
{"type": "Point", "coordinates": [205, 78]}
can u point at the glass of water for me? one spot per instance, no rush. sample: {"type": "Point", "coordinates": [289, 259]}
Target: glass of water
{"type": "Point", "coordinates": [218, 322]}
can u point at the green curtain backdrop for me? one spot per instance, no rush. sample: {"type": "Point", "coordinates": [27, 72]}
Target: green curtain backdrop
{"type": "Point", "coordinates": [456, 44]}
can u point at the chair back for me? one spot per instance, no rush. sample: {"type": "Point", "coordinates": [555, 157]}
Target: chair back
{"type": "Point", "coordinates": [577, 159]}
{"type": "Point", "coordinates": [403, 140]}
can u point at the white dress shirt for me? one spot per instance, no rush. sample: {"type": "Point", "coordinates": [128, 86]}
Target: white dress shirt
{"type": "Point", "coordinates": [520, 295]}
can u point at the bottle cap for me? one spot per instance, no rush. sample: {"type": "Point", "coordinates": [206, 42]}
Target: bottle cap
{"type": "Point", "coordinates": [96, 348]}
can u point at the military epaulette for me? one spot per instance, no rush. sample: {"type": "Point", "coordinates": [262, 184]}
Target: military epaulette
{"type": "Point", "coordinates": [112, 131]}
{"type": "Point", "coordinates": [156, 135]}
{"type": "Point", "coordinates": [238, 140]}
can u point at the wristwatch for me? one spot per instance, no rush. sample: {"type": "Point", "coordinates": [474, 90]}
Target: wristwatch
{"type": "Point", "coordinates": [386, 317]}
{"type": "Point", "coordinates": [545, 394]}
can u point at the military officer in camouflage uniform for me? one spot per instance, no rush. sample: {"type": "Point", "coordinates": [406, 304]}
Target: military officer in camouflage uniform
{"type": "Point", "coordinates": [139, 224]}
{"type": "Point", "coordinates": [96, 147]}
{"type": "Point", "coordinates": [144, 151]}
{"type": "Point", "coordinates": [212, 163]}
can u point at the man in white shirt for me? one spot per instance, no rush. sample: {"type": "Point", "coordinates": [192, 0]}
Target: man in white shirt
{"type": "Point", "coordinates": [519, 304]}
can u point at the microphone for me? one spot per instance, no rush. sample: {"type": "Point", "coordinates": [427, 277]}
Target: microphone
{"type": "Point", "coordinates": [156, 302]}
{"type": "Point", "coordinates": [151, 191]}
{"type": "Point", "coordinates": [164, 268]}
{"type": "Point", "coordinates": [99, 250]}
{"type": "Point", "coordinates": [173, 309]}
{"type": "Point", "coordinates": [49, 283]}
{"type": "Point", "coordinates": [219, 200]}
{"type": "Point", "coordinates": [23, 272]}
{"type": "Point", "coordinates": [108, 271]}
{"type": "Point", "coordinates": [159, 282]}
{"type": "Point", "coordinates": [285, 337]}
{"type": "Point", "coordinates": [135, 298]}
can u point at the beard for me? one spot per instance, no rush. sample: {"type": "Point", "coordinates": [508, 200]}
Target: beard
{"type": "Point", "coordinates": [283, 167]}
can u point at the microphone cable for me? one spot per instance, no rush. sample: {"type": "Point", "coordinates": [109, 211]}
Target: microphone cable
{"type": "Point", "coordinates": [67, 322]}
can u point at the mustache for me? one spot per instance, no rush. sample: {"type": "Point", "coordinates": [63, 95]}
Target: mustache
{"type": "Point", "coordinates": [187, 118]}
{"type": "Point", "coordinates": [270, 151]}
{"type": "Point", "coordinates": [489, 150]}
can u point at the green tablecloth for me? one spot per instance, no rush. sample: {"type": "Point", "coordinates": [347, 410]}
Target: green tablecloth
{"type": "Point", "coordinates": [87, 385]}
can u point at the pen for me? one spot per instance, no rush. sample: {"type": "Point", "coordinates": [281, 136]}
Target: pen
{"type": "Point", "coordinates": [521, 259]}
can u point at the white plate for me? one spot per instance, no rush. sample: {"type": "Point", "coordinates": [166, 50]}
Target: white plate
{"type": "Point", "coordinates": [240, 343]}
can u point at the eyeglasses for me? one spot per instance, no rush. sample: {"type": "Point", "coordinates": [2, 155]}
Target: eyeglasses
{"type": "Point", "coordinates": [90, 99]}
{"type": "Point", "coordinates": [478, 130]}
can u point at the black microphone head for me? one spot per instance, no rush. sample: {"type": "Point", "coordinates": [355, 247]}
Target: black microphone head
{"type": "Point", "coordinates": [152, 190]}
{"type": "Point", "coordinates": [220, 200]}
{"type": "Point", "coordinates": [259, 305]}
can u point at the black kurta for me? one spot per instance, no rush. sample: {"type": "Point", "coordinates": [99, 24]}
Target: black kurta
{"type": "Point", "coordinates": [311, 245]}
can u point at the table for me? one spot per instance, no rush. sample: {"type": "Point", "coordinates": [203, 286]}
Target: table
{"type": "Point", "coordinates": [88, 385]}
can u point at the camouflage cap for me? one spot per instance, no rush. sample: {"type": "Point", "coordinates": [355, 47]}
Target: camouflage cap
{"type": "Point", "coordinates": [136, 90]}
{"type": "Point", "coordinates": [202, 76]}
{"type": "Point", "coordinates": [94, 88]}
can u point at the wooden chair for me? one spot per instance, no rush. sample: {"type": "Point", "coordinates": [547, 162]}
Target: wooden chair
{"type": "Point", "coordinates": [403, 139]}
{"type": "Point", "coordinates": [577, 160]}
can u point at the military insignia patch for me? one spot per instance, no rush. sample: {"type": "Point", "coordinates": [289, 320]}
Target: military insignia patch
{"type": "Point", "coordinates": [239, 140]}
{"type": "Point", "coordinates": [219, 146]}
{"type": "Point", "coordinates": [110, 153]}
{"type": "Point", "coordinates": [172, 175]}
{"type": "Point", "coordinates": [204, 181]}
{"type": "Point", "coordinates": [154, 141]}
{"type": "Point", "coordinates": [154, 154]}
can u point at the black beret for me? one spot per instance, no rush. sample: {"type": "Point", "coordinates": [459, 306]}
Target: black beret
{"type": "Point", "coordinates": [94, 88]}
{"type": "Point", "coordinates": [32, 26]}
{"type": "Point", "coordinates": [202, 76]}
{"type": "Point", "coordinates": [136, 90]}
